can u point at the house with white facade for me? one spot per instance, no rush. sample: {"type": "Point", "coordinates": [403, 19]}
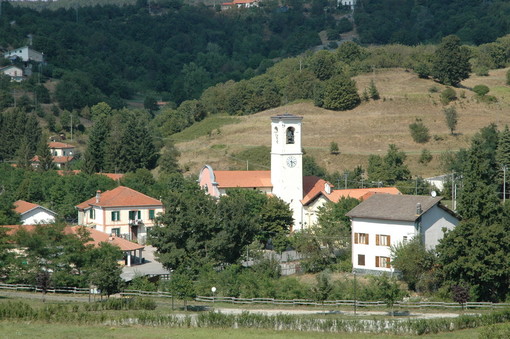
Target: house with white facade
{"type": "Point", "coordinates": [386, 220]}
{"type": "Point", "coordinates": [239, 4]}
{"type": "Point", "coordinates": [122, 212]}
{"type": "Point", "coordinates": [32, 214]}
{"type": "Point", "coordinates": [25, 53]}
{"type": "Point", "coordinates": [12, 71]}
{"type": "Point", "coordinates": [62, 153]}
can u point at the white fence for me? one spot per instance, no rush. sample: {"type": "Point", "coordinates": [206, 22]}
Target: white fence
{"type": "Point", "coordinates": [268, 301]}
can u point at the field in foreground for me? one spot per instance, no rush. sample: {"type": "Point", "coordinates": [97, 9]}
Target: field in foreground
{"type": "Point", "coordinates": [55, 331]}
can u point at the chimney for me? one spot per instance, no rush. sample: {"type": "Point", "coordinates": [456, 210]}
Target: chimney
{"type": "Point", "coordinates": [98, 196]}
{"type": "Point", "coordinates": [418, 209]}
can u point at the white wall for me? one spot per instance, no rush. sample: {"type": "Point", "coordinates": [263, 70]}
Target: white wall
{"type": "Point", "coordinates": [395, 229]}
{"type": "Point", "coordinates": [37, 216]}
{"type": "Point", "coordinates": [433, 222]}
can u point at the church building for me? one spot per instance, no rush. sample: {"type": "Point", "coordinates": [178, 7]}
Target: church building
{"type": "Point", "coordinates": [304, 194]}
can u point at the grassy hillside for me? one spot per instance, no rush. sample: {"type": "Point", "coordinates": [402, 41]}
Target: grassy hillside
{"type": "Point", "coordinates": [366, 130]}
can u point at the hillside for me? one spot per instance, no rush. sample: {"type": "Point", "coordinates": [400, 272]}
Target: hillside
{"type": "Point", "coordinates": [366, 130]}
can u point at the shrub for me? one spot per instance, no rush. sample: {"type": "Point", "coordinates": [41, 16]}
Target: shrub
{"type": "Point", "coordinates": [448, 95]}
{"type": "Point", "coordinates": [333, 148]}
{"type": "Point", "coordinates": [508, 77]}
{"type": "Point", "coordinates": [419, 132]}
{"type": "Point", "coordinates": [481, 90]}
{"type": "Point", "coordinates": [425, 157]}
{"type": "Point", "coordinates": [423, 70]}
{"type": "Point", "coordinates": [434, 89]}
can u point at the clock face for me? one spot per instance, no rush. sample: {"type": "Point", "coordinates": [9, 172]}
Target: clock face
{"type": "Point", "coordinates": [291, 161]}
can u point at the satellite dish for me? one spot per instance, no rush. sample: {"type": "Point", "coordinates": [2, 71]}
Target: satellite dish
{"type": "Point", "coordinates": [433, 194]}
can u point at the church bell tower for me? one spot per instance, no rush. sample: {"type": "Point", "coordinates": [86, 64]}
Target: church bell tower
{"type": "Point", "coordinates": [287, 163]}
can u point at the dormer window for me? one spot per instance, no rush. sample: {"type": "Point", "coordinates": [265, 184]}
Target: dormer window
{"type": "Point", "coordinates": [290, 135]}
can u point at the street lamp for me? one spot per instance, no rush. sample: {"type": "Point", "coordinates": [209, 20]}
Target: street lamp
{"type": "Point", "coordinates": [213, 290]}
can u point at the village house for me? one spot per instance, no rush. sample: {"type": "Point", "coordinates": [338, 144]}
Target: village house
{"type": "Point", "coordinates": [122, 212]}
{"type": "Point", "coordinates": [304, 194]}
{"type": "Point", "coordinates": [62, 153]}
{"type": "Point", "coordinates": [133, 252]}
{"type": "Point", "coordinates": [385, 220]}
{"type": "Point", "coordinates": [239, 4]}
{"type": "Point", "coordinates": [33, 214]}
{"type": "Point", "coordinates": [14, 72]}
{"type": "Point", "coordinates": [25, 53]}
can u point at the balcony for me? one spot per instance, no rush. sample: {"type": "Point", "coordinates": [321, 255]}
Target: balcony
{"type": "Point", "coordinates": [135, 222]}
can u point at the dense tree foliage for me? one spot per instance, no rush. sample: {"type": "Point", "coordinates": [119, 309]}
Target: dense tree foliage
{"type": "Point", "coordinates": [451, 62]}
{"type": "Point", "coordinates": [413, 22]}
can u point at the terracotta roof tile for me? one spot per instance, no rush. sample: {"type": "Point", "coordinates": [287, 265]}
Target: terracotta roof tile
{"type": "Point", "coordinates": [361, 193]}
{"type": "Point", "coordinates": [121, 196]}
{"type": "Point", "coordinates": [56, 144]}
{"type": "Point", "coordinates": [231, 179]}
{"type": "Point", "coordinates": [22, 206]}
{"type": "Point", "coordinates": [312, 187]}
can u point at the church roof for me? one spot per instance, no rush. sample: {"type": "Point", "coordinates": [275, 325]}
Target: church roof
{"type": "Point", "coordinates": [232, 179]}
{"type": "Point", "coordinates": [360, 193]}
{"type": "Point", "coordinates": [312, 187]}
{"type": "Point", "coordinates": [120, 197]}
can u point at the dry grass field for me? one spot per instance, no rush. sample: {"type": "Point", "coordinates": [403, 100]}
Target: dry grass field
{"type": "Point", "coordinates": [366, 130]}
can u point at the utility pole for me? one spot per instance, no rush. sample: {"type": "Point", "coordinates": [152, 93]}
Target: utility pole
{"type": "Point", "coordinates": [504, 183]}
{"type": "Point", "coordinates": [345, 176]}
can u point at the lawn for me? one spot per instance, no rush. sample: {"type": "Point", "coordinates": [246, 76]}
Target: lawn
{"type": "Point", "coordinates": [55, 331]}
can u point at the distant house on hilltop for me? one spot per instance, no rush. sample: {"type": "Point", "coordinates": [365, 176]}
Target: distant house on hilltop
{"type": "Point", "coordinates": [239, 4]}
{"type": "Point", "coordinates": [62, 154]}
{"type": "Point", "coordinates": [385, 220]}
{"type": "Point", "coordinates": [33, 214]}
{"type": "Point", "coordinates": [122, 212]}
{"type": "Point", "coordinates": [25, 53]}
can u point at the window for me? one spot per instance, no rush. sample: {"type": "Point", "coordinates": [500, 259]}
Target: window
{"type": "Point", "coordinates": [361, 238]}
{"type": "Point", "coordinates": [290, 135]}
{"type": "Point", "coordinates": [135, 215]}
{"type": "Point", "coordinates": [115, 215]}
{"type": "Point", "coordinates": [382, 262]}
{"type": "Point", "coordinates": [152, 214]}
{"type": "Point", "coordinates": [116, 232]}
{"type": "Point", "coordinates": [361, 260]}
{"type": "Point", "coordinates": [404, 239]}
{"type": "Point", "coordinates": [382, 240]}
{"type": "Point", "coordinates": [92, 213]}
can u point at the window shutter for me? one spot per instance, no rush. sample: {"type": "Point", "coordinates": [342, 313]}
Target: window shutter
{"type": "Point", "coordinates": [388, 263]}
{"type": "Point", "coordinates": [113, 216]}
{"type": "Point", "coordinates": [367, 239]}
{"type": "Point", "coordinates": [389, 240]}
{"type": "Point", "coordinates": [376, 261]}
{"type": "Point", "coordinates": [356, 238]}
{"type": "Point", "coordinates": [139, 215]}
{"type": "Point", "coordinates": [377, 239]}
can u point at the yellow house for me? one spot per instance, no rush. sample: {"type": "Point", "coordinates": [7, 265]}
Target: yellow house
{"type": "Point", "coordinates": [122, 212]}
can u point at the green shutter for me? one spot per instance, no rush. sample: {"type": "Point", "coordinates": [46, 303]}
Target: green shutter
{"type": "Point", "coordinates": [139, 215]}
{"type": "Point", "coordinates": [151, 214]}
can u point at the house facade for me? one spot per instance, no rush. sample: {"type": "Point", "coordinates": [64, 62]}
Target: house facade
{"type": "Point", "coordinates": [122, 212]}
{"type": "Point", "coordinates": [25, 53]}
{"type": "Point", "coordinates": [239, 4]}
{"type": "Point", "coordinates": [62, 154]}
{"type": "Point", "coordinates": [14, 72]}
{"type": "Point", "coordinates": [32, 214]}
{"type": "Point", "coordinates": [385, 220]}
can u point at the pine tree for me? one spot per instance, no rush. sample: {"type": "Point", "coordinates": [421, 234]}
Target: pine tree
{"type": "Point", "coordinates": [44, 155]}
{"type": "Point", "coordinates": [97, 143]}
{"type": "Point", "coordinates": [89, 164]}
{"type": "Point", "coordinates": [168, 159]}
{"type": "Point", "coordinates": [24, 156]}
{"type": "Point", "coordinates": [372, 90]}
{"type": "Point", "coordinates": [503, 150]}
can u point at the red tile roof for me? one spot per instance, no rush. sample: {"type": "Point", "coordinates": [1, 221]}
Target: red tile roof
{"type": "Point", "coordinates": [231, 179]}
{"type": "Point", "coordinates": [22, 206]}
{"type": "Point", "coordinates": [119, 197]}
{"type": "Point", "coordinates": [361, 193]}
{"type": "Point", "coordinates": [56, 144]}
{"type": "Point", "coordinates": [113, 176]}
{"type": "Point", "coordinates": [97, 236]}
{"type": "Point", "coordinates": [58, 160]}
{"type": "Point", "coordinates": [312, 187]}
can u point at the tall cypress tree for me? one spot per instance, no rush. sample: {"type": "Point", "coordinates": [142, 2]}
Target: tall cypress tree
{"type": "Point", "coordinates": [97, 143]}
{"type": "Point", "coordinates": [44, 155]}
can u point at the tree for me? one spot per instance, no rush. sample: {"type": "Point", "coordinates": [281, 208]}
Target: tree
{"type": "Point", "coordinates": [182, 286]}
{"type": "Point", "coordinates": [107, 271]}
{"type": "Point", "coordinates": [478, 199]}
{"type": "Point", "coordinates": [451, 62]}
{"type": "Point", "coordinates": [323, 63]}
{"type": "Point", "coordinates": [24, 156]}
{"type": "Point", "coordinates": [340, 94]}
{"type": "Point", "coordinates": [44, 155]}
{"type": "Point", "coordinates": [481, 90]}
{"type": "Point", "coordinates": [372, 91]}
{"type": "Point", "coordinates": [413, 261]}
{"type": "Point", "coordinates": [323, 289]}
{"type": "Point", "coordinates": [451, 116]}
{"type": "Point", "coordinates": [95, 153]}
{"type": "Point", "coordinates": [150, 104]}
{"type": "Point", "coordinates": [503, 150]}
{"type": "Point", "coordinates": [168, 160]}
{"type": "Point", "coordinates": [394, 165]}
{"type": "Point", "coordinates": [425, 157]}
{"type": "Point", "coordinates": [333, 148]}
{"type": "Point", "coordinates": [419, 131]}
{"type": "Point", "coordinates": [275, 221]}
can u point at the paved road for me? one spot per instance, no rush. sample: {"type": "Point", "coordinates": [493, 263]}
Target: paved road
{"type": "Point", "coordinates": [150, 266]}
